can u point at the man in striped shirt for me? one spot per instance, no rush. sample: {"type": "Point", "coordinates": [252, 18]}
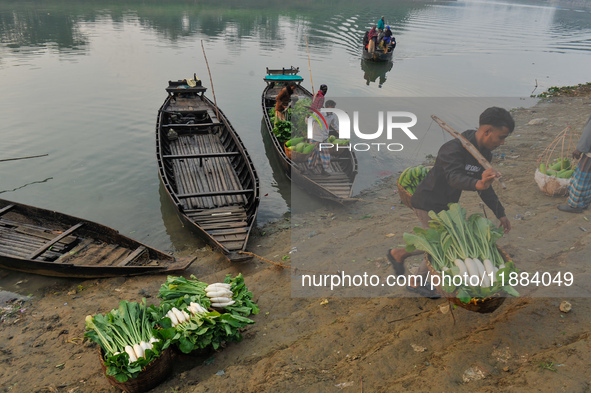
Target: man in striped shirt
{"type": "Point", "coordinates": [579, 189]}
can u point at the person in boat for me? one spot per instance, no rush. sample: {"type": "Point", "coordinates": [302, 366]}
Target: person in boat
{"type": "Point", "coordinates": [283, 100]}
{"type": "Point", "coordinates": [318, 101]}
{"type": "Point", "coordinates": [579, 188]}
{"type": "Point", "coordinates": [365, 40]}
{"type": "Point", "coordinates": [456, 170]}
{"type": "Point", "coordinates": [373, 38]}
{"type": "Point", "coordinates": [387, 38]}
{"type": "Point", "coordinates": [320, 133]}
{"type": "Point", "coordinates": [381, 24]}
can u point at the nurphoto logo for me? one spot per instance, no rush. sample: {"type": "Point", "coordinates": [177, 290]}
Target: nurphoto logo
{"type": "Point", "coordinates": [399, 121]}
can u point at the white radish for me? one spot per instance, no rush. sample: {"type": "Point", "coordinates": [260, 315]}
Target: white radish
{"type": "Point", "coordinates": [483, 277]}
{"type": "Point", "coordinates": [220, 299]}
{"type": "Point", "coordinates": [222, 305]}
{"type": "Point", "coordinates": [472, 269]}
{"type": "Point", "coordinates": [145, 346]}
{"type": "Point", "coordinates": [490, 270]}
{"type": "Point", "coordinates": [131, 353]}
{"type": "Point", "coordinates": [217, 286]}
{"type": "Point", "coordinates": [502, 266]}
{"type": "Point", "coordinates": [199, 308]}
{"type": "Point", "coordinates": [139, 351]}
{"type": "Point", "coordinates": [154, 340]}
{"type": "Point", "coordinates": [179, 316]}
{"type": "Point", "coordinates": [116, 353]}
{"type": "Point", "coordinates": [187, 316]}
{"type": "Point", "coordinates": [172, 317]}
{"type": "Point", "coordinates": [222, 293]}
{"type": "Point", "coordinates": [462, 266]}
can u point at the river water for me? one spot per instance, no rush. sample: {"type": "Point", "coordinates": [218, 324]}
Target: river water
{"type": "Point", "coordinates": [82, 82]}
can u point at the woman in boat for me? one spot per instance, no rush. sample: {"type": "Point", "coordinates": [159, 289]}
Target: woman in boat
{"type": "Point", "coordinates": [387, 38]}
{"type": "Point", "coordinates": [373, 38]}
{"type": "Point", "coordinates": [283, 100]}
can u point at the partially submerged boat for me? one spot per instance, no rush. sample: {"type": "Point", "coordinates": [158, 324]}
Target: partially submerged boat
{"type": "Point", "coordinates": [205, 169]}
{"type": "Point", "coordinates": [336, 187]}
{"type": "Point", "coordinates": [46, 242]}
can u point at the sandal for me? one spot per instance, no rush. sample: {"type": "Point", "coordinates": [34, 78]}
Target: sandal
{"type": "Point", "coordinates": [424, 291]}
{"type": "Point", "coordinates": [398, 266]}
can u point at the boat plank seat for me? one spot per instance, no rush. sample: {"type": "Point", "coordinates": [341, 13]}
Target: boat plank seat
{"type": "Point", "coordinates": [138, 252]}
{"type": "Point", "coordinates": [192, 125]}
{"type": "Point", "coordinates": [5, 209]}
{"type": "Point", "coordinates": [216, 193]}
{"type": "Point", "coordinates": [223, 225]}
{"type": "Point", "coordinates": [46, 234]}
{"type": "Point", "coordinates": [233, 245]}
{"type": "Point", "coordinates": [46, 246]}
{"type": "Point", "coordinates": [228, 231]}
{"type": "Point", "coordinates": [201, 155]}
{"type": "Point", "coordinates": [64, 258]}
{"type": "Point", "coordinates": [212, 116]}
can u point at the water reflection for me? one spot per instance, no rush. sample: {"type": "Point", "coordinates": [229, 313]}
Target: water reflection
{"type": "Point", "coordinates": [181, 237]}
{"type": "Point", "coordinates": [374, 72]}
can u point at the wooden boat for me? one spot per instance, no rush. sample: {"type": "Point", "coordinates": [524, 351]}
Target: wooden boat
{"type": "Point", "coordinates": [206, 169]}
{"type": "Point", "coordinates": [35, 240]}
{"type": "Point", "coordinates": [379, 55]}
{"type": "Point", "coordinates": [338, 186]}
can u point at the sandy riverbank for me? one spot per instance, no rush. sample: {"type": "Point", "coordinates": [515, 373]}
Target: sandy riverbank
{"type": "Point", "coordinates": [353, 344]}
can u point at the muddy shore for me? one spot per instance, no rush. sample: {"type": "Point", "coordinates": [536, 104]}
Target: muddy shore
{"type": "Point", "coordinates": [361, 344]}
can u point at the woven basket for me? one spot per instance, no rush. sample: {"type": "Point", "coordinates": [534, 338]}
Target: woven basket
{"type": "Point", "coordinates": [151, 376]}
{"type": "Point", "coordinates": [483, 306]}
{"type": "Point", "coordinates": [404, 195]}
{"type": "Point", "coordinates": [551, 185]}
{"type": "Point", "coordinates": [287, 151]}
{"type": "Point", "coordinates": [299, 157]}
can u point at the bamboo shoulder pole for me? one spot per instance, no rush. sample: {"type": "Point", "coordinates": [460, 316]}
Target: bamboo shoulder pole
{"type": "Point", "coordinates": [467, 145]}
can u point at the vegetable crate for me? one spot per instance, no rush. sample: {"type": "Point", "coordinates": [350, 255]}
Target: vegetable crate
{"type": "Point", "coordinates": [555, 169]}
{"type": "Point", "coordinates": [151, 376]}
{"type": "Point", "coordinates": [484, 305]}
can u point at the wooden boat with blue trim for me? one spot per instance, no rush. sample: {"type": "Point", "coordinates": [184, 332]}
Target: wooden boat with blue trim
{"type": "Point", "coordinates": [205, 169]}
{"type": "Point", "coordinates": [49, 243]}
{"type": "Point", "coordinates": [338, 186]}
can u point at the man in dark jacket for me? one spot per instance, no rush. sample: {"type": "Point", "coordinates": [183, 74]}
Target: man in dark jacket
{"type": "Point", "coordinates": [456, 170]}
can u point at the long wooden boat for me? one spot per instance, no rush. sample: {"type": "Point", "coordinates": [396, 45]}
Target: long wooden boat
{"type": "Point", "coordinates": [379, 55]}
{"type": "Point", "coordinates": [336, 187]}
{"type": "Point", "coordinates": [40, 241]}
{"type": "Point", "coordinates": [206, 169]}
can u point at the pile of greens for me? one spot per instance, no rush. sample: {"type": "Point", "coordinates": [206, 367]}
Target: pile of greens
{"type": "Point", "coordinates": [134, 335]}
{"type": "Point", "coordinates": [207, 329]}
{"type": "Point", "coordinates": [295, 125]}
{"type": "Point", "coordinates": [123, 334]}
{"type": "Point", "coordinates": [450, 237]}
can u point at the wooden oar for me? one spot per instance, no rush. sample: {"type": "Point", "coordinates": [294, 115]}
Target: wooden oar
{"type": "Point", "coordinates": [467, 145]}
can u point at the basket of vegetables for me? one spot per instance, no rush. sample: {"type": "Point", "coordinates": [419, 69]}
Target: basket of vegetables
{"type": "Point", "coordinates": [131, 354]}
{"type": "Point", "coordinates": [198, 317]}
{"type": "Point", "coordinates": [299, 149]}
{"type": "Point", "coordinates": [464, 261]}
{"type": "Point", "coordinates": [408, 181]}
{"type": "Point", "coordinates": [555, 170]}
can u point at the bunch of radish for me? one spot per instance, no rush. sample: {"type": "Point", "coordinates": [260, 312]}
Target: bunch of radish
{"type": "Point", "coordinates": [220, 295]}
{"type": "Point", "coordinates": [484, 270]}
{"type": "Point", "coordinates": [138, 351]}
{"type": "Point", "coordinates": [178, 317]}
